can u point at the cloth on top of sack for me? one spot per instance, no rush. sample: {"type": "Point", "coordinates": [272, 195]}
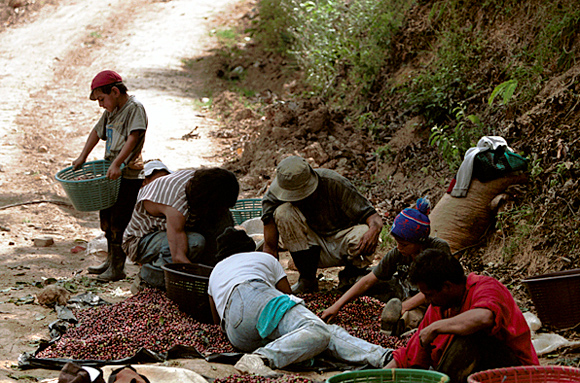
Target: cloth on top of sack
{"type": "Point", "coordinates": [463, 177]}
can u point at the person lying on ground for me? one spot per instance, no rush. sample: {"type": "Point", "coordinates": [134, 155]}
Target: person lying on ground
{"type": "Point", "coordinates": [122, 125]}
{"type": "Point", "coordinates": [250, 298]}
{"type": "Point", "coordinates": [178, 218]}
{"type": "Point", "coordinates": [472, 323]}
{"type": "Point", "coordinates": [321, 219]}
{"type": "Point", "coordinates": [389, 279]}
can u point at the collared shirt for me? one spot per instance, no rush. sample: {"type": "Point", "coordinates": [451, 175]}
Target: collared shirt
{"type": "Point", "coordinates": [334, 206]}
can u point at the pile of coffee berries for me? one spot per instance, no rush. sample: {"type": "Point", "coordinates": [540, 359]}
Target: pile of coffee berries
{"type": "Point", "coordinates": [148, 319]}
{"type": "Point", "coordinates": [152, 321]}
{"type": "Point", "coordinates": [360, 317]}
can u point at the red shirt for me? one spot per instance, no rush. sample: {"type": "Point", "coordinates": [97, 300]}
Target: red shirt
{"type": "Point", "coordinates": [509, 325]}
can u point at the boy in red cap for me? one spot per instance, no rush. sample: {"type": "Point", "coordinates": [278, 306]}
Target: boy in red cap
{"type": "Point", "coordinates": [122, 125]}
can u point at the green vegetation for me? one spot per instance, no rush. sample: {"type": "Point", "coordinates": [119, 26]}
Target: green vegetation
{"type": "Point", "coordinates": [459, 70]}
{"type": "Point", "coordinates": [344, 47]}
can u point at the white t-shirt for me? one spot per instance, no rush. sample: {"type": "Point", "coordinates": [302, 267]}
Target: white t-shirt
{"type": "Point", "coordinates": [238, 268]}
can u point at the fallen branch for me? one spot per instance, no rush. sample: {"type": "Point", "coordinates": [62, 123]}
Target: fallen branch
{"type": "Point", "coordinates": [33, 202]}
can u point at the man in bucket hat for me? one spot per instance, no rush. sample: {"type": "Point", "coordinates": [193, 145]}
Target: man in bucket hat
{"type": "Point", "coordinates": [321, 219]}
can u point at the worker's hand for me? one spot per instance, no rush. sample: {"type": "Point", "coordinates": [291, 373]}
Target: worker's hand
{"type": "Point", "coordinates": [78, 163]}
{"type": "Point", "coordinates": [427, 336]}
{"type": "Point", "coordinates": [114, 172]}
{"type": "Point", "coordinates": [368, 243]}
{"type": "Point", "coordinates": [329, 314]}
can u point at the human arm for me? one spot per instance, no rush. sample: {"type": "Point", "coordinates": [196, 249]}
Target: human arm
{"type": "Point", "coordinates": [114, 170]}
{"type": "Point", "coordinates": [284, 286]}
{"type": "Point", "coordinates": [466, 323]}
{"type": "Point", "coordinates": [176, 236]}
{"type": "Point", "coordinates": [370, 239]}
{"type": "Point", "coordinates": [413, 302]}
{"type": "Point", "coordinates": [92, 141]}
{"type": "Point", "coordinates": [359, 288]}
{"type": "Point", "coordinates": [214, 313]}
{"type": "Point", "coordinates": [271, 238]}
{"type": "Point", "coordinates": [392, 364]}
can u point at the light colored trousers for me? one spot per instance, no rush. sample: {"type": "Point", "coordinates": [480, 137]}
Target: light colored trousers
{"type": "Point", "coordinates": [337, 249]}
{"type": "Point", "coordinates": [299, 336]}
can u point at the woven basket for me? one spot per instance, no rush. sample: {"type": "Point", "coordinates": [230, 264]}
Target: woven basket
{"type": "Point", "coordinates": [186, 285]}
{"type": "Point", "coordinates": [245, 209]}
{"type": "Point", "coordinates": [556, 297]}
{"type": "Point", "coordinates": [88, 188]}
{"type": "Point", "coordinates": [397, 375]}
{"type": "Point", "coordinates": [527, 374]}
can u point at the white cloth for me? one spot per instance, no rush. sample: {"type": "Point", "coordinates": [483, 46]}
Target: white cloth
{"type": "Point", "coordinates": [239, 268]}
{"type": "Point", "coordinates": [463, 177]}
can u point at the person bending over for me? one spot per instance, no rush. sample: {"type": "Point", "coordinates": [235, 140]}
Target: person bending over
{"type": "Point", "coordinates": [472, 322]}
{"type": "Point", "coordinates": [250, 298]}
{"type": "Point", "coordinates": [389, 281]}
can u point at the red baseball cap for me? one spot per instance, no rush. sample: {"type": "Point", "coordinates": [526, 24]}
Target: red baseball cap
{"type": "Point", "coordinates": [105, 77]}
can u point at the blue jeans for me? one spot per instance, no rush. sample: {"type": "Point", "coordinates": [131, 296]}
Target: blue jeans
{"type": "Point", "coordinates": [300, 335]}
{"type": "Point", "coordinates": [153, 252]}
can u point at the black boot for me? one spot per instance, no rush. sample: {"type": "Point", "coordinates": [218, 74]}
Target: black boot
{"type": "Point", "coordinates": [115, 271]}
{"type": "Point", "coordinates": [102, 267]}
{"type": "Point", "coordinates": [306, 261]}
{"type": "Point", "coordinates": [105, 265]}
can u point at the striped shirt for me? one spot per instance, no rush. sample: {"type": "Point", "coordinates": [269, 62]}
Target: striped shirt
{"type": "Point", "coordinates": [167, 190]}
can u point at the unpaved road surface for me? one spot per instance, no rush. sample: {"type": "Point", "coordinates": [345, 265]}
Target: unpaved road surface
{"type": "Point", "coordinates": [46, 66]}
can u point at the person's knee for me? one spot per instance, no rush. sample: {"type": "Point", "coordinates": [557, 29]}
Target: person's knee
{"type": "Point", "coordinates": [196, 245]}
{"type": "Point", "coordinates": [284, 213]}
{"type": "Point", "coordinates": [319, 334]}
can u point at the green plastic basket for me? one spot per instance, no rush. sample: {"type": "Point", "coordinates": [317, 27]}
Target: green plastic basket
{"type": "Point", "coordinates": [396, 375]}
{"type": "Point", "coordinates": [96, 192]}
{"type": "Point", "coordinates": [245, 209]}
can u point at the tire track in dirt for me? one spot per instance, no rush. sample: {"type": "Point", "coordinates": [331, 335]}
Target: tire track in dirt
{"type": "Point", "coordinates": [46, 67]}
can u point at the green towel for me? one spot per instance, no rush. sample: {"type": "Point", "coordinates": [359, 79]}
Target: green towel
{"type": "Point", "coordinates": [273, 313]}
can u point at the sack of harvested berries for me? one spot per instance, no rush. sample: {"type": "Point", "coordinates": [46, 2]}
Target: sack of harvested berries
{"type": "Point", "coordinates": [461, 222]}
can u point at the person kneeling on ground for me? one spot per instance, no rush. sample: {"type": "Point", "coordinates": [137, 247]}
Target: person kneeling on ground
{"type": "Point", "coordinates": [249, 297]}
{"type": "Point", "coordinates": [177, 219]}
{"type": "Point", "coordinates": [388, 281]}
{"type": "Point", "coordinates": [472, 323]}
{"type": "Point", "coordinates": [322, 220]}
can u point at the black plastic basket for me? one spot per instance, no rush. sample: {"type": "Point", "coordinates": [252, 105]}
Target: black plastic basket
{"type": "Point", "coordinates": [556, 297]}
{"type": "Point", "coordinates": [186, 285]}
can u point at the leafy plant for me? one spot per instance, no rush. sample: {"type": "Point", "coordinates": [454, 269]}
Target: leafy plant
{"type": "Point", "coordinates": [504, 90]}
{"type": "Point", "coordinates": [454, 142]}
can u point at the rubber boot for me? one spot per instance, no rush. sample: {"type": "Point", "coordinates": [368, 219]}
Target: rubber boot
{"type": "Point", "coordinates": [103, 266]}
{"type": "Point", "coordinates": [115, 271]}
{"type": "Point", "coordinates": [306, 262]}
{"type": "Point", "coordinates": [390, 316]}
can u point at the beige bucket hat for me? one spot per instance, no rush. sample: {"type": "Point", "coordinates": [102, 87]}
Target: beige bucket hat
{"type": "Point", "coordinates": [295, 180]}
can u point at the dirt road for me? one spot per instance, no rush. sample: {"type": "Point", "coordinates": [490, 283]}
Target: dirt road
{"type": "Point", "coordinates": [46, 67]}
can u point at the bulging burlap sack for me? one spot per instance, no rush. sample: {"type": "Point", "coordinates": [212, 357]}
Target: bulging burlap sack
{"type": "Point", "coordinates": [463, 221]}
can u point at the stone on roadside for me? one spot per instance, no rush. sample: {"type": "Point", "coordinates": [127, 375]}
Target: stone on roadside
{"type": "Point", "coordinates": [43, 241]}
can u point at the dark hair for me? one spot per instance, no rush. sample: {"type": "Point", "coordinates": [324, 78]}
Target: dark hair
{"type": "Point", "coordinates": [211, 188]}
{"type": "Point", "coordinates": [233, 241]}
{"type": "Point", "coordinates": [106, 89]}
{"type": "Point", "coordinates": [433, 267]}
